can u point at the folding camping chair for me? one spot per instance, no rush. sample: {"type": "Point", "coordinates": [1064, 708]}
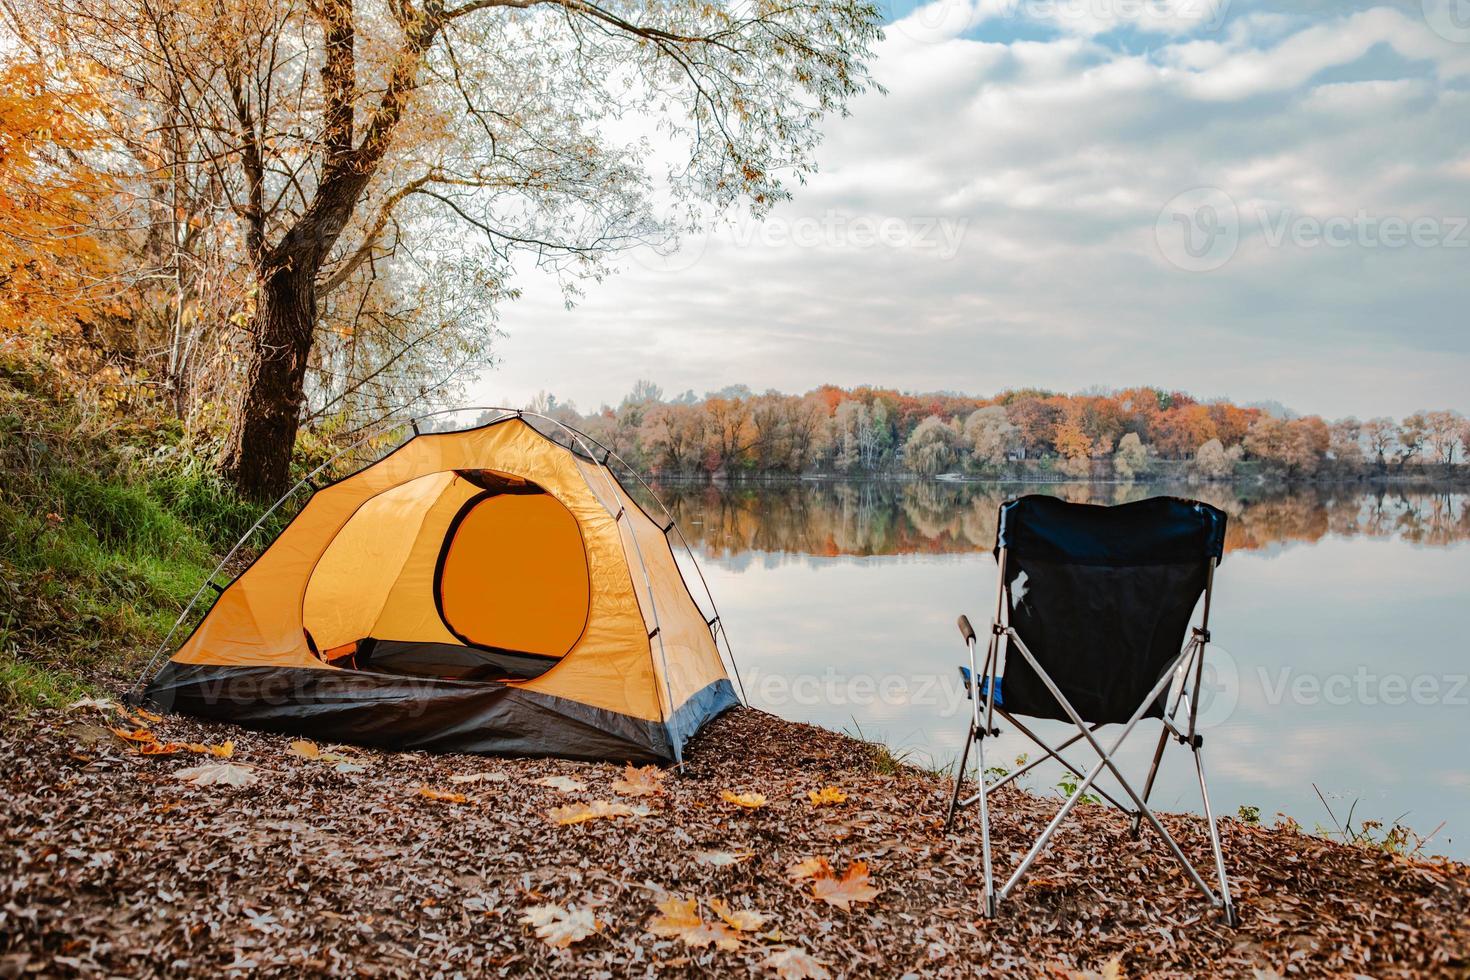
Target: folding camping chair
{"type": "Point", "coordinates": [1096, 601]}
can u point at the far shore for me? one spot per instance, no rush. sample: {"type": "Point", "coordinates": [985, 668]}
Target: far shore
{"type": "Point", "coordinates": [1450, 479]}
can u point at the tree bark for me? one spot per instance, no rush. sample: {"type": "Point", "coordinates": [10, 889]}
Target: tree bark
{"type": "Point", "coordinates": [258, 457]}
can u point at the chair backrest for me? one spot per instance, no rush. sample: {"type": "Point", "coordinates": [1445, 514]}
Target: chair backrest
{"type": "Point", "coordinates": [1102, 597]}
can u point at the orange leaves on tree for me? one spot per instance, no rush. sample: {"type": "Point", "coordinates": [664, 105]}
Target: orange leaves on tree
{"type": "Point", "coordinates": [596, 810]}
{"type": "Point", "coordinates": [746, 801]}
{"type": "Point", "coordinates": [558, 926]}
{"type": "Point", "coordinates": [442, 796]}
{"type": "Point", "coordinates": [52, 263]}
{"type": "Point", "coordinates": [645, 781]}
{"type": "Point", "coordinates": [827, 796]}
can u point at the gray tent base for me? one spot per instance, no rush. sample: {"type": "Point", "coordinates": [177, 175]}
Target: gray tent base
{"type": "Point", "coordinates": [404, 713]}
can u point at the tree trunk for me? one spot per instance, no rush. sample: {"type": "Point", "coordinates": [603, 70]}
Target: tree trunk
{"type": "Point", "coordinates": [258, 458]}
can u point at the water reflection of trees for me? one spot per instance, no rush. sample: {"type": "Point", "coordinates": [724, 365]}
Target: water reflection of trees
{"type": "Point", "coordinates": [891, 518]}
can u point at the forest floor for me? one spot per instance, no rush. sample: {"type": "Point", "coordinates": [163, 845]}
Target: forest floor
{"type": "Point", "coordinates": [354, 862]}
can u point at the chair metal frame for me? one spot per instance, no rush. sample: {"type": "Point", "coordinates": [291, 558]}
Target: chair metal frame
{"type": "Point", "coordinates": [1183, 681]}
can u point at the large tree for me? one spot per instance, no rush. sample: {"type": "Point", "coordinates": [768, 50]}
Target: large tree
{"type": "Point", "coordinates": [558, 129]}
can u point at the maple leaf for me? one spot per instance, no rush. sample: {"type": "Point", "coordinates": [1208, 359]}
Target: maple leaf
{"type": "Point", "coordinates": [147, 715]}
{"type": "Point", "coordinates": [853, 886]}
{"type": "Point", "coordinates": [827, 796]}
{"type": "Point", "coordinates": [596, 810]}
{"type": "Point", "coordinates": [160, 748]}
{"type": "Point", "coordinates": [644, 781]}
{"type": "Point", "coordinates": [748, 801]}
{"type": "Point", "coordinates": [722, 859]}
{"type": "Point", "coordinates": [136, 735]}
{"type": "Point", "coordinates": [442, 796]}
{"type": "Point", "coordinates": [813, 867]}
{"type": "Point", "coordinates": [223, 751]}
{"type": "Point", "coordinates": [97, 704]}
{"type": "Point", "coordinates": [217, 774]}
{"type": "Point", "coordinates": [562, 784]}
{"type": "Point", "coordinates": [793, 963]}
{"type": "Point", "coordinates": [679, 918]}
{"type": "Point", "coordinates": [560, 927]}
{"type": "Point", "coordinates": [305, 749]}
{"type": "Point", "coordinates": [742, 920]}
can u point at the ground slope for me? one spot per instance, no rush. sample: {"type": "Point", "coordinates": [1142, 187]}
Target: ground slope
{"type": "Point", "coordinates": [110, 864]}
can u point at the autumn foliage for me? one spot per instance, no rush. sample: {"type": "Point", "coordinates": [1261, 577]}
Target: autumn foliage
{"type": "Point", "coordinates": [1117, 433]}
{"type": "Point", "coordinates": [54, 261]}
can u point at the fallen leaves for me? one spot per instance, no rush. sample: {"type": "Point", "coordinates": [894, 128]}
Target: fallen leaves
{"type": "Point", "coordinates": [217, 774]}
{"type": "Point", "coordinates": [596, 810]}
{"type": "Point", "coordinates": [853, 885]}
{"type": "Point", "coordinates": [809, 868]}
{"type": "Point", "coordinates": [310, 751]}
{"type": "Point", "coordinates": [560, 927]}
{"type": "Point", "coordinates": [722, 859]}
{"type": "Point", "coordinates": [1315, 905]}
{"type": "Point", "coordinates": [134, 735]}
{"type": "Point", "coordinates": [562, 784]}
{"type": "Point", "coordinates": [741, 920]}
{"type": "Point", "coordinates": [747, 801]}
{"type": "Point", "coordinates": [796, 964]}
{"type": "Point", "coordinates": [479, 777]}
{"type": "Point", "coordinates": [1111, 970]}
{"type": "Point", "coordinates": [644, 781]}
{"type": "Point", "coordinates": [94, 704]}
{"type": "Point", "coordinates": [679, 918]}
{"type": "Point", "coordinates": [441, 796]}
{"type": "Point", "coordinates": [147, 743]}
{"type": "Point", "coordinates": [827, 796]}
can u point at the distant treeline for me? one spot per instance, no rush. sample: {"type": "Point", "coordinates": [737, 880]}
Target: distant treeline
{"type": "Point", "coordinates": [1128, 434]}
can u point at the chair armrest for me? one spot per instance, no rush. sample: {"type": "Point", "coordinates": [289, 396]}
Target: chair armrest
{"type": "Point", "coordinates": [984, 687]}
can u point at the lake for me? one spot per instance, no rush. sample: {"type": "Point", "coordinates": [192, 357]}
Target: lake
{"type": "Point", "coordinates": [1340, 631]}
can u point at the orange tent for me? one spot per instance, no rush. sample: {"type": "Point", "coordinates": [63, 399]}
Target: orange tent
{"type": "Point", "coordinates": [486, 590]}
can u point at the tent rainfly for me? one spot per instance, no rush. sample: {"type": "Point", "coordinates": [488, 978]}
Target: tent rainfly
{"type": "Point", "coordinates": [484, 590]}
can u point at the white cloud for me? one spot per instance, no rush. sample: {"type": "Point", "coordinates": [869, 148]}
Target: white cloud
{"type": "Point", "coordinates": [1055, 156]}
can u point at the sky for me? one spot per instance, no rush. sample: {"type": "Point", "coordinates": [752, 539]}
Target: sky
{"type": "Point", "coordinates": [1266, 201]}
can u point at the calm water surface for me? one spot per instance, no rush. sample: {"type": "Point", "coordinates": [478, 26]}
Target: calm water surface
{"type": "Point", "coordinates": [1341, 627]}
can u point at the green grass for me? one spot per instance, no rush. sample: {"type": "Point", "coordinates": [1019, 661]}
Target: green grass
{"type": "Point", "coordinates": [106, 531]}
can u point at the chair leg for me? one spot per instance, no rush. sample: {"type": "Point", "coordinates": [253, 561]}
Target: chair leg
{"type": "Point", "coordinates": [959, 777]}
{"type": "Point", "coordinates": [1231, 918]}
{"type": "Point", "coordinates": [1148, 784]}
{"type": "Point", "coordinates": [990, 898]}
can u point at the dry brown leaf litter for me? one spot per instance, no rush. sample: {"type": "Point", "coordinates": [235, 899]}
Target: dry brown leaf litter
{"type": "Point", "coordinates": [110, 864]}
